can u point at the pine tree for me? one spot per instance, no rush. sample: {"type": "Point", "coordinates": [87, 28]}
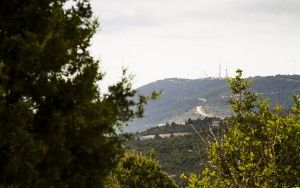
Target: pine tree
{"type": "Point", "coordinates": [56, 128]}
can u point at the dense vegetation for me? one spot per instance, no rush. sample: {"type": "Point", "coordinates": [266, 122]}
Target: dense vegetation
{"type": "Point", "coordinates": [188, 126]}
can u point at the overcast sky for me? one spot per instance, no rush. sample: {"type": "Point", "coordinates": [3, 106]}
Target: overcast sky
{"type": "Point", "coordinates": [157, 39]}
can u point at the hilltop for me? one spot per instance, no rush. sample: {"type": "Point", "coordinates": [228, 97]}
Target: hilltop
{"type": "Point", "coordinates": [198, 98]}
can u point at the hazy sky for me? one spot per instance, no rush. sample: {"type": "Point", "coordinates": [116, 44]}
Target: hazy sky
{"type": "Point", "coordinates": [158, 39]}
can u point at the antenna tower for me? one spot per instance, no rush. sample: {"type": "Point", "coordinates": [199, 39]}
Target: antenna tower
{"type": "Point", "coordinates": [220, 70]}
{"type": "Point", "coordinates": [294, 67]}
{"type": "Point", "coordinates": [226, 73]}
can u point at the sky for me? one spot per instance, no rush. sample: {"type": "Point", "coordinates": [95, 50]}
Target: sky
{"type": "Point", "coordinates": [157, 39]}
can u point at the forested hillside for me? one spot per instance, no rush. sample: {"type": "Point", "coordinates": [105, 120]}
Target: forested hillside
{"type": "Point", "coordinates": [178, 153]}
{"type": "Point", "coordinates": [180, 97]}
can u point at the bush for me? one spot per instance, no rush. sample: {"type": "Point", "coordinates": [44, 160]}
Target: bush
{"type": "Point", "coordinates": [138, 171]}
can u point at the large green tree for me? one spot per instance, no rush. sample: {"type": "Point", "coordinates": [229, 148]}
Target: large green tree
{"type": "Point", "coordinates": [261, 147]}
{"type": "Point", "coordinates": [56, 129]}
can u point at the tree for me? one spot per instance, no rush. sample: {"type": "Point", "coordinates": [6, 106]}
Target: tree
{"type": "Point", "coordinates": [137, 171]}
{"type": "Point", "coordinates": [56, 128]}
{"type": "Point", "coordinates": [261, 147]}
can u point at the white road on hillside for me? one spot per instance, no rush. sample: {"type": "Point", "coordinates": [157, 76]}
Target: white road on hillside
{"type": "Point", "coordinates": [201, 111]}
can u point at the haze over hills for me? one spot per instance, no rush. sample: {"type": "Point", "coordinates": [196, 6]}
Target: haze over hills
{"type": "Point", "coordinates": [196, 98]}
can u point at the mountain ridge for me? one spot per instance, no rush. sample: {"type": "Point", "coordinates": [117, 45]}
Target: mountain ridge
{"type": "Point", "coordinates": [181, 97]}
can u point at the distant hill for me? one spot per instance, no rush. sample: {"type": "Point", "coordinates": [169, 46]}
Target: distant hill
{"type": "Point", "coordinates": [186, 98]}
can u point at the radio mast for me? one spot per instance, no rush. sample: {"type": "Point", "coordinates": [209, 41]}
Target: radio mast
{"type": "Point", "coordinates": [226, 73]}
{"type": "Point", "coordinates": [220, 69]}
{"type": "Point", "coordinates": [294, 67]}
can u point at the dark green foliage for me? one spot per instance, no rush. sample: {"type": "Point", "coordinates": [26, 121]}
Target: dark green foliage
{"type": "Point", "coordinates": [176, 155]}
{"type": "Point", "coordinates": [201, 124]}
{"type": "Point", "coordinates": [56, 129]}
{"type": "Point", "coordinates": [138, 171]}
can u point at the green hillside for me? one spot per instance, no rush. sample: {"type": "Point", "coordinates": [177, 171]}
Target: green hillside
{"type": "Point", "coordinates": [179, 96]}
{"type": "Point", "coordinates": [178, 154]}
